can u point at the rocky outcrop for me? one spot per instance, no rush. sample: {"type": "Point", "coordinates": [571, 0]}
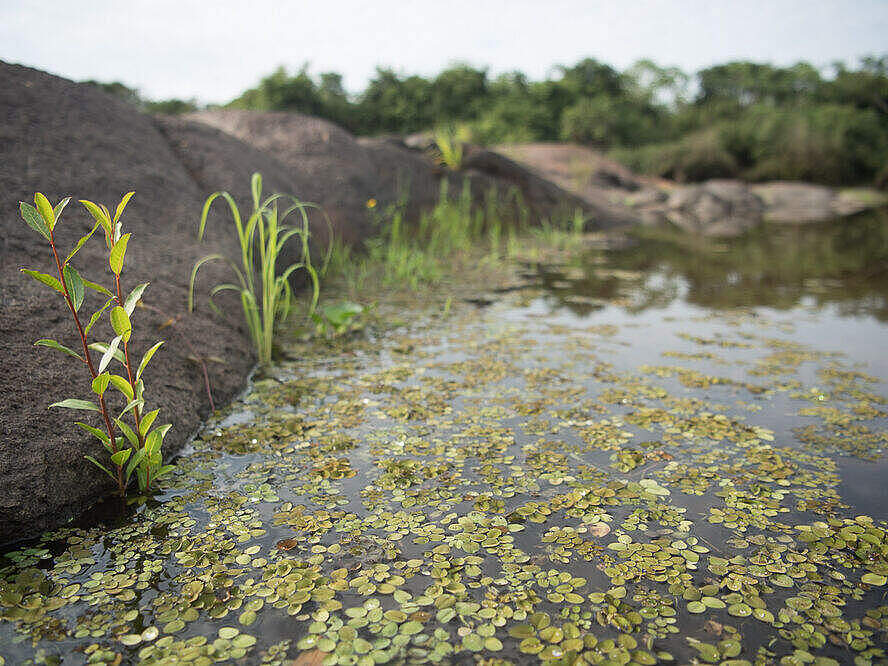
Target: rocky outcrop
{"type": "Point", "coordinates": [719, 208]}
{"type": "Point", "coordinates": [803, 202]}
{"type": "Point", "coordinates": [711, 208]}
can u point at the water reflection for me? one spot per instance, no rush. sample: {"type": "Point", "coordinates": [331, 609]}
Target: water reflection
{"type": "Point", "coordinates": [778, 266]}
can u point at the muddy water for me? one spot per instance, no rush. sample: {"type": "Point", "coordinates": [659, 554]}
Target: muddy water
{"type": "Point", "coordinates": [665, 452]}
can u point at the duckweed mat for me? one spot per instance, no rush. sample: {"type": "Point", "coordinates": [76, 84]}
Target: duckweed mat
{"type": "Point", "coordinates": [510, 480]}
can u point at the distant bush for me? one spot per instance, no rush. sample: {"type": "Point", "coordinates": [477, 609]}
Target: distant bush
{"type": "Point", "coordinates": [826, 143]}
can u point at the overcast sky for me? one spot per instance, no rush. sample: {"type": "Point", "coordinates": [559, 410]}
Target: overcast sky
{"type": "Point", "coordinates": [214, 50]}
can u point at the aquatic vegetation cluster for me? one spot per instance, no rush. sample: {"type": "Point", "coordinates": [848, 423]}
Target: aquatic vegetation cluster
{"type": "Point", "coordinates": [137, 450]}
{"type": "Point", "coordinates": [502, 488]}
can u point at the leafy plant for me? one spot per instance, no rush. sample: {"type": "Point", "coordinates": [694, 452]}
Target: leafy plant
{"type": "Point", "coordinates": [138, 449]}
{"type": "Point", "coordinates": [449, 143]}
{"type": "Point", "coordinates": [266, 295]}
{"type": "Point", "coordinates": [337, 318]}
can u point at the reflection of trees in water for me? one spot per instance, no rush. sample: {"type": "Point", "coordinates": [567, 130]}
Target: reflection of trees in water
{"type": "Point", "coordinates": [843, 263]}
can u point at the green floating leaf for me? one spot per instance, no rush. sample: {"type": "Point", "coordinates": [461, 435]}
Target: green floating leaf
{"type": "Point", "coordinates": [874, 579]}
{"type": "Point", "coordinates": [48, 280]}
{"type": "Point", "coordinates": [32, 217]}
{"type": "Point", "coordinates": [118, 252]}
{"type": "Point", "coordinates": [52, 344]}
{"type": "Point", "coordinates": [74, 403]}
{"type": "Point", "coordinates": [75, 286]}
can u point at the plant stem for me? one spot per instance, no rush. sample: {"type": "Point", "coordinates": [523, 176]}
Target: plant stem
{"type": "Point", "coordinates": [88, 360]}
{"type": "Point", "coordinates": [129, 372]}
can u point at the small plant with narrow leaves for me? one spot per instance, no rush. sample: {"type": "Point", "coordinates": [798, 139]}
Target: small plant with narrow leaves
{"type": "Point", "coordinates": [133, 446]}
{"type": "Point", "coordinates": [266, 298]}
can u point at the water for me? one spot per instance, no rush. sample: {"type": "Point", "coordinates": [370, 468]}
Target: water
{"type": "Point", "coordinates": [674, 450]}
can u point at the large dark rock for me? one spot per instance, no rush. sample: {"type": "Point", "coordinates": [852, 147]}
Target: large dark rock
{"type": "Point", "coordinates": [63, 138]}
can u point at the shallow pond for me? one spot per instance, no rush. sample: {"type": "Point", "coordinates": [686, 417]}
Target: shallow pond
{"type": "Point", "coordinates": [671, 451]}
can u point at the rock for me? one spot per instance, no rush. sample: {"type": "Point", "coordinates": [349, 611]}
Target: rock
{"type": "Point", "coordinates": [544, 198]}
{"type": "Point", "coordinates": [803, 202]}
{"type": "Point", "coordinates": [720, 208]}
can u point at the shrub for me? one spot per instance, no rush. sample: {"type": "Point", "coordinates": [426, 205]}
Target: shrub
{"type": "Point", "coordinates": [138, 449]}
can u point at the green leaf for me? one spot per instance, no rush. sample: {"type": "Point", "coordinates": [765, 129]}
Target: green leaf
{"type": "Point", "coordinates": [133, 298]}
{"type": "Point", "coordinates": [60, 206]}
{"type": "Point", "coordinates": [81, 242]}
{"type": "Point", "coordinates": [163, 471]}
{"type": "Point", "coordinates": [98, 214]}
{"type": "Point", "coordinates": [97, 287]}
{"type": "Point", "coordinates": [147, 420]}
{"type": "Point", "coordinates": [108, 352]}
{"type": "Point", "coordinates": [101, 436]}
{"type": "Point", "coordinates": [122, 385]}
{"type": "Point", "coordinates": [122, 205]}
{"type": "Point", "coordinates": [100, 383]}
{"type": "Point", "coordinates": [147, 357]}
{"type": "Point", "coordinates": [45, 210]}
{"type": "Point", "coordinates": [74, 403]}
{"type": "Point", "coordinates": [133, 463]}
{"type": "Point", "coordinates": [118, 252]}
{"type": "Point", "coordinates": [75, 286]}
{"type": "Point", "coordinates": [96, 315]}
{"type": "Point", "coordinates": [153, 441]}
{"type": "Point", "coordinates": [48, 280]}
{"type": "Point", "coordinates": [137, 403]}
{"type": "Point", "coordinates": [121, 456]}
{"type": "Point", "coordinates": [32, 217]}
{"type": "Point", "coordinates": [126, 430]}
{"type": "Point", "coordinates": [120, 321]}
{"type": "Point", "coordinates": [46, 342]}
{"type": "Point", "coordinates": [100, 466]}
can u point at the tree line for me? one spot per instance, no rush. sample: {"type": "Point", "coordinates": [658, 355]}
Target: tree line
{"type": "Point", "coordinates": [739, 119]}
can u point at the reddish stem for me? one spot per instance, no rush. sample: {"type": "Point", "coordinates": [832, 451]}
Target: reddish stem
{"type": "Point", "coordinates": [87, 358]}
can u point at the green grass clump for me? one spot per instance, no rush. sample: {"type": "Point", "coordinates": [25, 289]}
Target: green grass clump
{"type": "Point", "coordinates": [458, 229]}
{"type": "Point", "coordinates": [266, 295]}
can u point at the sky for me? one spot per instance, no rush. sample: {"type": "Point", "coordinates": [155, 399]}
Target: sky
{"type": "Point", "coordinates": [212, 51]}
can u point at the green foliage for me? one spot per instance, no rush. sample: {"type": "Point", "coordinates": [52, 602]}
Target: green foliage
{"type": "Point", "coordinates": [138, 450]}
{"type": "Point", "coordinates": [337, 318]}
{"type": "Point", "coordinates": [449, 142]}
{"type": "Point", "coordinates": [461, 225]}
{"type": "Point", "coordinates": [132, 96]}
{"type": "Point", "coordinates": [265, 292]}
{"type": "Point", "coordinates": [744, 119]}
